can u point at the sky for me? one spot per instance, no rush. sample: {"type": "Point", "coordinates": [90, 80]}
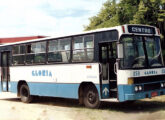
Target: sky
{"type": "Point", "coordinates": [45, 17]}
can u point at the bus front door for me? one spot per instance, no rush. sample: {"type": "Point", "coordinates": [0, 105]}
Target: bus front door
{"type": "Point", "coordinates": [5, 76]}
{"type": "Point", "coordinates": [108, 80]}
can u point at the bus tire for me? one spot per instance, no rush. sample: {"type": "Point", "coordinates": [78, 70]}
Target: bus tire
{"type": "Point", "coordinates": [91, 97]}
{"type": "Point", "coordinates": [25, 94]}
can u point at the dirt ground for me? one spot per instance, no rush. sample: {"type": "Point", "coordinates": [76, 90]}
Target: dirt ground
{"type": "Point", "coordinates": [44, 108]}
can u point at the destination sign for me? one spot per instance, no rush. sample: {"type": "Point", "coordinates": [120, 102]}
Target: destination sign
{"type": "Point", "coordinates": [141, 29]}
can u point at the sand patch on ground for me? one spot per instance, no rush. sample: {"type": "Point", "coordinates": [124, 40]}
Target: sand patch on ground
{"type": "Point", "coordinates": [11, 108]}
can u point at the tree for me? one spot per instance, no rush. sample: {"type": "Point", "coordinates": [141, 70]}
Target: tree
{"type": "Point", "coordinates": [126, 10]}
{"type": "Point", "coordinates": [150, 12]}
{"type": "Point", "coordinates": [107, 17]}
{"type": "Point", "coordinates": [139, 17]}
{"type": "Point", "coordinates": [161, 20]}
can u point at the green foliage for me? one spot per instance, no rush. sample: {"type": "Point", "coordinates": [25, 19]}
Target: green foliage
{"type": "Point", "coordinates": [126, 10]}
{"type": "Point", "coordinates": [107, 16]}
{"type": "Point", "coordinates": [139, 17]}
{"type": "Point", "coordinates": [151, 12]}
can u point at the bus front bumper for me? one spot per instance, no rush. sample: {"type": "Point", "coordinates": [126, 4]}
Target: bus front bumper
{"type": "Point", "coordinates": [127, 92]}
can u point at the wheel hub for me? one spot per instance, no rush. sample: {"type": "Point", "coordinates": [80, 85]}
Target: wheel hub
{"type": "Point", "coordinates": [92, 97]}
{"type": "Point", "coordinates": [25, 93]}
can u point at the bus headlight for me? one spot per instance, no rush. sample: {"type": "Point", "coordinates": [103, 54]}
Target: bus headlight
{"type": "Point", "coordinates": [138, 88]}
{"type": "Point", "coordinates": [162, 85]}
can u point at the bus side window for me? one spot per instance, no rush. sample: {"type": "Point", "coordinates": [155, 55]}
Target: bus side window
{"type": "Point", "coordinates": [59, 50]}
{"type": "Point", "coordinates": [83, 48]}
{"type": "Point", "coordinates": [28, 48]}
{"type": "Point", "coordinates": [36, 53]}
{"type": "Point", "coordinates": [18, 55]}
{"type": "Point", "coordinates": [89, 45]}
{"type": "Point", "coordinates": [113, 51]}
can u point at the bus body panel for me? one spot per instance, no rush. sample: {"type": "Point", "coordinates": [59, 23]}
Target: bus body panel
{"type": "Point", "coordinates": [55, 80]}
{"type": "Point", "coordinates": [123, 75]}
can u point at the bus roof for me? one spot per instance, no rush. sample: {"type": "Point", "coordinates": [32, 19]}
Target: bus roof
{"type": "Point", "coordinates": [119, 28]}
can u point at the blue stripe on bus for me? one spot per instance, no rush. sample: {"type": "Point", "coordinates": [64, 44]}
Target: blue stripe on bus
{"type": "Point", "coordinates": [125, 89]}
{"type": "Point", "coordinates": [126, 92]}
{"type": "Point", "coordinates": [13, 87]}
{"type": "Point", "coordinates": [57, 90]}
{"type": "Point", "coordinates": [52, 89]}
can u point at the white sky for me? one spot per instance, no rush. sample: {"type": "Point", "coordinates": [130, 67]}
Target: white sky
{"type": "Point", "coordinates": [45, 17]}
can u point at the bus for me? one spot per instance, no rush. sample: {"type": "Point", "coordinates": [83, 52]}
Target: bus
{"type": "Point", "coordinates": [122, 63]}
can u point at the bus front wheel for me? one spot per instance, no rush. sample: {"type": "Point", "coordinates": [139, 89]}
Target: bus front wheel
{"type": "Point", "coordinates": [91, 97]}
{"type": "Point", "coordinates": [25, 94]}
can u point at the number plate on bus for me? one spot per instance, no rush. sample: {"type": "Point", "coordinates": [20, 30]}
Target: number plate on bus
{"type": "Point", "coordinates": [153, 94]}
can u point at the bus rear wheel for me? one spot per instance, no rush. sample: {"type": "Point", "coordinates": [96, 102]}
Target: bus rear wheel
{"type": "Point", "coordinates": [91, 97]}
{"type": "Point", "coordinates": [25, 94]}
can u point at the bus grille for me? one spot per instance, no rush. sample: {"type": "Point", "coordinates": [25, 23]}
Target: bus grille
{"type": "Point", "coordinates": [149, 79]}
{"type": "Point", "coordinates": [152, 86]}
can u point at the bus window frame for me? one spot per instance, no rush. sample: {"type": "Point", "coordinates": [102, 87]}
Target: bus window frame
{"type": "Point", "coordinates": [121, 60]}
{"type": "Point", "coordinates": [13, 55]}
{"type": "Point", "coordinates": [94, 49]}
{"type": "Point", "coordinates": [84, 49]}
{"type": "Point", "coordinates": [45, 53]}
{"type": "Point", "coordinates": [59, 39]}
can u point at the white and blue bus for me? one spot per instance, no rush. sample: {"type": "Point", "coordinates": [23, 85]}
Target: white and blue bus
{"type": "Point", "coordinates": [122, 63]}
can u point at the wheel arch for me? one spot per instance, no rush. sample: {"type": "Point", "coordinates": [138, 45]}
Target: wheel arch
{"type": "Point", "coordinates": [21, 82]}
{"type": "Point", "coordinates": [81, 90]}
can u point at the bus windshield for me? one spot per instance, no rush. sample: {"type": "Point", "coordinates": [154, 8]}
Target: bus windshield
{"type": "Point", "coordinates": [141, 52]}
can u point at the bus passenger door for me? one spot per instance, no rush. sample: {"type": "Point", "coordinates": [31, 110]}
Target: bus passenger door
{"type": "Point", "coordinates": [108, 80]}
{"type": "Point", "coordinates": [5, 76]}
